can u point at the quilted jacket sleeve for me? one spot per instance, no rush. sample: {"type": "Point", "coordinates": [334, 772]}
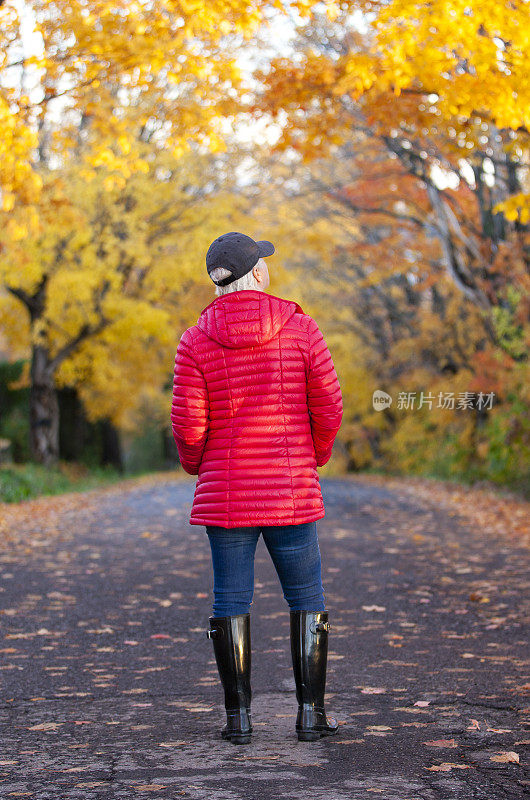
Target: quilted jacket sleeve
{"type": "Point", "coordinates": [190, 408]}
{"type": "Point", "coordinates": [324, 397]}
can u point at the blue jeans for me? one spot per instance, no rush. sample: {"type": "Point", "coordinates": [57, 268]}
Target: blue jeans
{"type": "Point", "coordinates": [295, 553]}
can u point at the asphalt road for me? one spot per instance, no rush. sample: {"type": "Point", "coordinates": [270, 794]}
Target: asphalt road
{"type": "Point", "coordinates": [109, 687]}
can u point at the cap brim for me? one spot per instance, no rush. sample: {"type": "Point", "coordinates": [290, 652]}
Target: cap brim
{"type": "Point", "coordinates": [265, 248]}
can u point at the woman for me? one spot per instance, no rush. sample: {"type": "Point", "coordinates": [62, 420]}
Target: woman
{"type": "Point", "coordinates": [256, 408]}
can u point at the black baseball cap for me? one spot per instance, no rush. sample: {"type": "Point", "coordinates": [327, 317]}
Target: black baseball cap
{"type": "Point", "coordinates": [236, 252]}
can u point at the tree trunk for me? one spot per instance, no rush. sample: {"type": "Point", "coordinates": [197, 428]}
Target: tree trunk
{"type": "Point", "coordinates": [43, 409]}
{"type": "Point", "coordinates": [75, 432]}
{"type": "Point", "coordinates": [111, 452]}
{"type": "Point", "coordinates": [169, 449]}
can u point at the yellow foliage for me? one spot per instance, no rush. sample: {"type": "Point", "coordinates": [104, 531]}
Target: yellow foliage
{"type": "Point", "coordinates": [516, 207]}
{"type": "Point", "coordinates": [113, 64]}
{"type": "Point", "coordinates": [408, 69]}
{"type": "Point", "coordinates": [118, 265]}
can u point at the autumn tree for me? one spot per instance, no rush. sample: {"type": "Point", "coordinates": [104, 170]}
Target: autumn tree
{"type": "Point", "coordinates": [428, 100]}
{"type": "Point", "coordinates": [99, 85]}
{"type": "Point", "coordinates": [430, 163]}
{"type": "Point", "coordinates": [116, 271]}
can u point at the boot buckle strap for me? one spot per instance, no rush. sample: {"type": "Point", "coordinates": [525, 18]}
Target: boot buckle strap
{"type": "Point", "coordinates": [315, 627]}
{"type": "Point", "coordinates": [214, 633]}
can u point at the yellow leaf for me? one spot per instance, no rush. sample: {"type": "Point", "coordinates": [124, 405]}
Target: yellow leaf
{"type": "Point", "coordinates": [508, 757]}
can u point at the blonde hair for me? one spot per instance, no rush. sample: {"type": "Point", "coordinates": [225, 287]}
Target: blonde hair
{"type": "Point", "coordinates": [248, 281]}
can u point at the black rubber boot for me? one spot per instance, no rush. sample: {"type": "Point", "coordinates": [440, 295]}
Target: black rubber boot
{"type": "Point", "coordinates": [231, 642]}
{"type": "Point", "coordinates": [309, 650]}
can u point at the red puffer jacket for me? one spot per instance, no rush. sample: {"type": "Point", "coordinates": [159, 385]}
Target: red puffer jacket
{"type": "Point", "coordinates": [256, 408]}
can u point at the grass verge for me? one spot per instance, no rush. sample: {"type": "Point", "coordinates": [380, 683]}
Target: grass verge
{"type": "Point", "coordinates": [26, 481]}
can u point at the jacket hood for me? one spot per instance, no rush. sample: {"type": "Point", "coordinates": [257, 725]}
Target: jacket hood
{"type": "Point", "coordinates": [246, 318]}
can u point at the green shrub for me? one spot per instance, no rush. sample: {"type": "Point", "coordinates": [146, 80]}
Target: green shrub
{"type": "Point", "coordinates": [25, 481]}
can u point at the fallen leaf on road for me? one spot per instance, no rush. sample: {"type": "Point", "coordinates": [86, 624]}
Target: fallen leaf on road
{"type": "Point", "coordinates": [46, 726]}
{"type": "Point", "coordinates": [171, 744]}
{"type": "Point", "coordinates": [416, 724]}
{"type": "Point", "coordinates": [441, 743]}
{"type": "Point", "coordinates": [422, 703]}
{"type": "Point", "coordinates": [509, 757]}
{"type": "Point", "coordinates": [374, 608]}
{"type": "Point", "coordinates": [150, 787]}
{"type": "Point", "coordinates": [474, 725]}
{"type": "Point", "coordinates": [476, 597]}
{"type": "Point", "coordinates": [258, 758]}
{"type": "Point", "coordinates": [447, 767]}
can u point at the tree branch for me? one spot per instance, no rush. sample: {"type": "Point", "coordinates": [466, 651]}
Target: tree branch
{"type": "Point", "coordinates": [84, 333]}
